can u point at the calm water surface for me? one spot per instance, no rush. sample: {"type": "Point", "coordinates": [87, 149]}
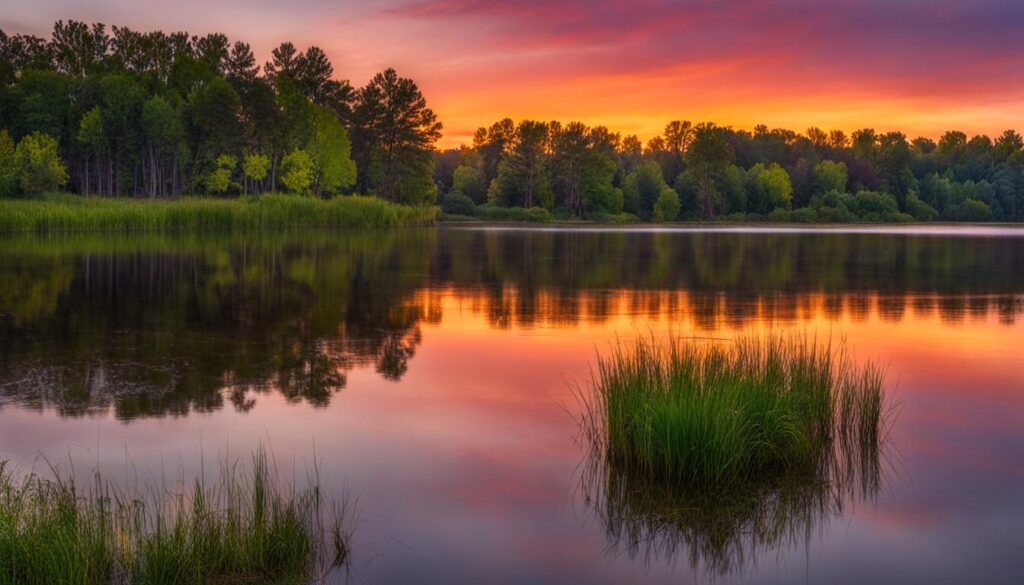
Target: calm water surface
{"type": "Point", "coordinates": [432, 373]}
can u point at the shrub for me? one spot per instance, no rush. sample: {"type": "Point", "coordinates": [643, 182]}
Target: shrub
{"type": "Point", "coordinates": [297, 171]}
{"type": "Point", "coordinates": [456, 203]}
{"type": "Point", "coordinates": [8, 166]}
{"type": "Point", "coordinates": [39, 166]}
{"type": "Point", "coordinates": [804, 215]}
{"type": "Point", "coordinates": [666, 208]}
{"type": "Point", "coordinates": [920, 210]}
{"type": "Point", "coordinates": [970, 210]}
{"type": "Point", "coordinates": [495, 213]}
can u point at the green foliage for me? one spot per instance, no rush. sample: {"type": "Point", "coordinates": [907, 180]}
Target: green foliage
{"type": "Point", "coordinates": [642, 188]}
{"type": "Point", "coordinates": [297, 171]}
{"type": "Point", "coordinates": [707, 158]}
{"type": "Point", "coordinates": [330, 152]}
{"type": "Point", "coordinates": [871, 204]}
{"type": "Point", "coordinates": [40, 169]}
{"type": "Point", "coordinates": [255, 166]}
{"type": "Point", "coordinates": [830, 176]}
{"type": "Point", "coordinates": [394, 132]}
{"type": "Point", "coordinates": [531, 214]}
{"type": "Point", "coordinates": [970, 210]}
{"type": "Point", "coordinates": [469, 181]}
{"type": "Point", "coordinates": [920, 210]}
{"type": "Point", "coordinates": [666, 208]}
{"type": "Point", "coordinates": [218, 181]}
{"type": "Point", "coordinates": [9, 167]}
{"type": "Point", "coordinates": [246, 528]}
{"type": "Point", "coordinates": [73, 213]}
{"type": "Point", "coordinates": [523, 179]}
{"type": "Point", "coordinates": [770, 187]}
{"type": "Point", "coordinates": [455, 203]}
{"type": "Point", "coordinates": [714, 418]}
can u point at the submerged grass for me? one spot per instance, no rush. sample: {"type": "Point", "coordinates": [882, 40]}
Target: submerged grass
{"type": "Point", "coordinates": [63, 212]}
{"type": "Point", "coordinates": [722, 449]}
{"type": "Point", "coordinates": [247, 528]}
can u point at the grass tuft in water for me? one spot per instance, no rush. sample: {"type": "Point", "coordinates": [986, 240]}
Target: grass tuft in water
{"type": "Point", "coordinates": [247, 528]}
{"type": "Point", "coordinates": [724, 449]}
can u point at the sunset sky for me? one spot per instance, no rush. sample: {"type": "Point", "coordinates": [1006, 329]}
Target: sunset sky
{"type": "Point", "coordinates": [920, 66]}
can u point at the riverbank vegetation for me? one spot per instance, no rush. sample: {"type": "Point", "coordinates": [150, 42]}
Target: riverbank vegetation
{"type": "Point", "coordinates": [149, 114]}
{"type": "Point", "coordinates": [701, 172]}
{"type": "Point", "coordinates": [72, 213]}
{"type": "Point", "coordinates": [724, 450]}
{"type": "Point", "coordinates": [246, 528]}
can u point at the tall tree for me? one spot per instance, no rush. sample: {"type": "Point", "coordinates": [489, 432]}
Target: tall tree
{"type": "Point", "coordinates": [708, 156]}
{"type": "Point", "coordinates": [330, 152]}
{"type": "Point", "coordinates": [523, 178]}
{"type": "Point", "coordinates": [394, 133]}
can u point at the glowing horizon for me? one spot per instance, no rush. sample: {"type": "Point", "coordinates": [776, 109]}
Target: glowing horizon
{"type": "Point", "coordinates": [918, 66]}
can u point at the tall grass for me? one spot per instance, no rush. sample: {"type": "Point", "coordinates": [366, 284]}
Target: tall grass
{"type": "Point", "coordinates": [55, 213]}
{"type": "Point", "coordinates": [247, 528]}
{"type": "Point", "coordinates": [722, 449]}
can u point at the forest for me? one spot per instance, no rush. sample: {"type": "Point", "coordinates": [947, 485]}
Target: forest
{"type": "Point", "coordinates": [703, 171]}
{"type": "Point", "coordinates": [120, 113]}
{"type": "Point", "coordinates": [148, 114]}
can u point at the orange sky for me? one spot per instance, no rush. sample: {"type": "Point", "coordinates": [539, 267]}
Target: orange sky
{"type": "Point", "coordinates": [920, 66]}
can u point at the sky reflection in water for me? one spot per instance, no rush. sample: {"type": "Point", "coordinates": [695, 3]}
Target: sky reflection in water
{"type": "Point", "coordinates": [431, 371]}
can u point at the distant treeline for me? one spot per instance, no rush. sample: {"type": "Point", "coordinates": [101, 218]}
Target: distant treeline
{"type": "Point", "coordinates": [121, 112]}
{"type": "Point", "coordinates": [705, 171]}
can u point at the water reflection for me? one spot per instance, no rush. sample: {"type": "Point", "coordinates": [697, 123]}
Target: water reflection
{"type": "Point", "coordinates": [167, 325]}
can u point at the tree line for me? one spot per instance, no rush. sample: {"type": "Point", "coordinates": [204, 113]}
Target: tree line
{"type": "Point", "coordinates": [120, 112]}
{"type": "Point", "coordinates": [705, 171]}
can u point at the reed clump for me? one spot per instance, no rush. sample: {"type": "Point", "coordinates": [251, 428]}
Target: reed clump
{"type": "Point", "coordinates": [720, 450]}
{"type": "Point", "coordinates": [62, 212]}
{"type": "Point", "coordinates": [246, 528]}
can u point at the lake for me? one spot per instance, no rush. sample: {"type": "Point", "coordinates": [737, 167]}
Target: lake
{"type": "Point", "coordinates": [433, 373]}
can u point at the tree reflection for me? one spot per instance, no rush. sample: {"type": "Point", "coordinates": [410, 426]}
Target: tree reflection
{"type": "Point", "coordinates": [154, 325]}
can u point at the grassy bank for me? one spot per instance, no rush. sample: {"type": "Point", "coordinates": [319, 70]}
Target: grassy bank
{"type": "Point", "coordinates": [710, 416]}
{"type": "Point", "coordinates": [56, 213]}
{"type": "Point", "coordinates": [247, 528]}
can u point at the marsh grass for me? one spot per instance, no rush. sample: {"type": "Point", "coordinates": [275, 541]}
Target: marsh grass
{"type": "Point", "coordinates": [62, 212]}
{"type": "Point", "coordinates": [720, 450]}
{"type": "Point", "coordinates": [249, 527]}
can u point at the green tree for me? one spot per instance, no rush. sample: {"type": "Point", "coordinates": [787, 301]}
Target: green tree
{"type": "Point", "coordinates": [394, 133]}
{"type": "Point", "coordinates": [39, 167]}
{"type": "Point", "coordinates": [770, 187]}
{"type": "Point", "coordinates": [330, 151]}
{"type": "Point", "coordinates": [583, 167]}
{"type": "Point", "coordinates": [468, 178]}
{"type": "Point", "coordinates": [8, 165]}
{"type": "Point", "coordinates": [93, 139]}
{"type": "Point", "coordinates": [708, 156]}
{"type": "Point", "coordinates": [215, 124]}
{"type": "Point", "coordinates": [829, 175]}
{"type": "Point", "coordinates": [255, 168]}
{"type": "Point", "coordinates": [297, 171]}
{"type": "Point", "coordinates": [666, 208]}
{"type": "Point", "coordinates": [642, 188]}
{"type": "Point", "coordinates": [523, 179]}
{"type": "Point", "coordinates": [164, 134]}
{"type": "Point", "coordinates": [218, 181]}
